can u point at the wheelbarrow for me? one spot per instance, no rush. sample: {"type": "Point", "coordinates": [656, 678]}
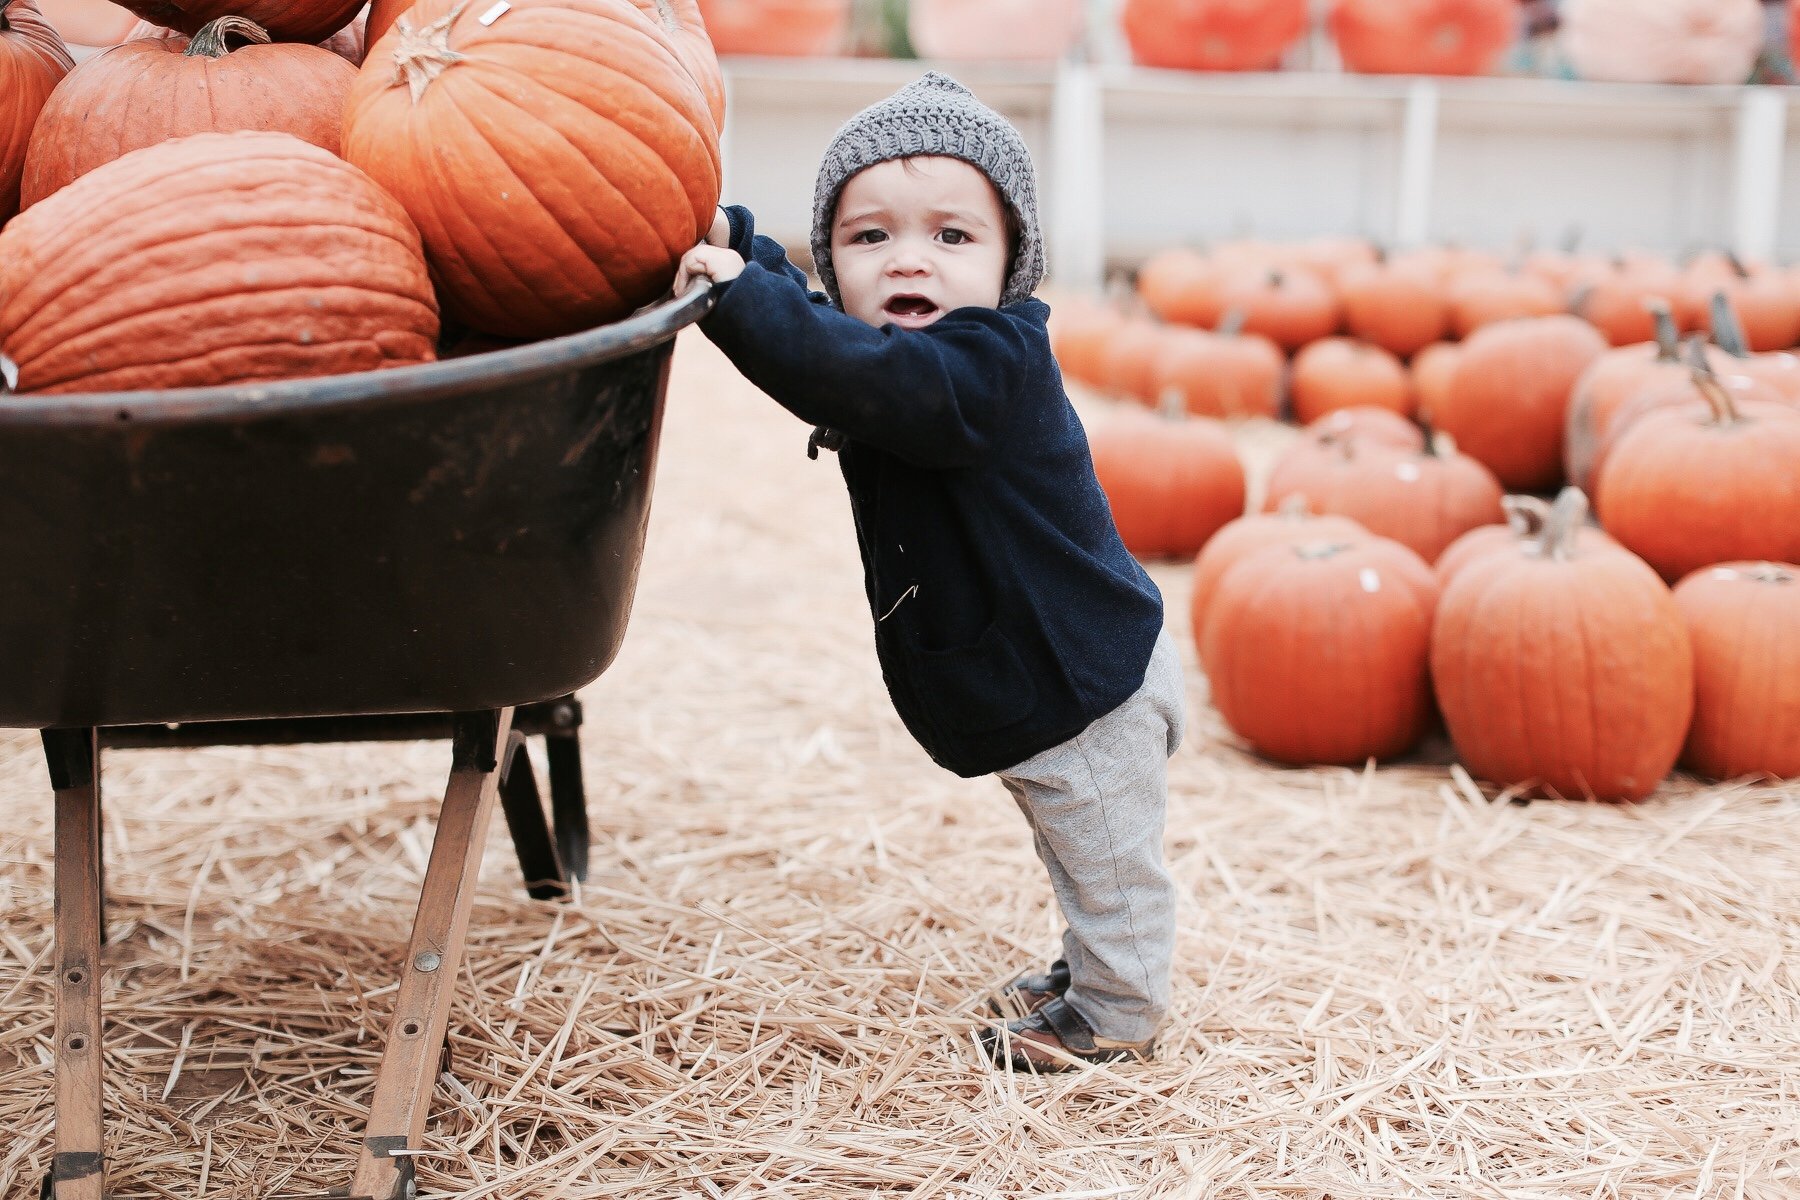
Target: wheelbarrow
{"type": "Point", "coordinates": [446, 550]}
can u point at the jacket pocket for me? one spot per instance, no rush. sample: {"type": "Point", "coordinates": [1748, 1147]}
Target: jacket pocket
{"type": "Point", "coordinates": [975, 688]}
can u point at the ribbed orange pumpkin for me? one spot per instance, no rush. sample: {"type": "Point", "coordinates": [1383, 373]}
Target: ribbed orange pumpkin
{"type": "Point", "coordinates": [1423, 37]}
{"type": "Point", "coordinates": [1181, 286]}
{"type": "Point", "coordinates": [1705, 482]}
{"type": "Point", "coordinates": [586, 159]}
{"type": "Point", "coordinates": [1212, 35]}
{"type": "Point", "coordinates": [1222, 374]}
{"type": "Point", "coordinates": [1290, 525]}
{"type": "Point", "coordinates": [1318, 653]}
{"type": "Point", "coordinates": [286, 20]}
{"type": "Point", "coordinates": [1620, 300]}
{"type": "Point", "coordinates": [1765, 303]}
{"type": "Point", "coordinates": [1338, 373]}
{"type": "Point", "coordinates": [1563, 667]}
{"type": "Point", "coordinates": [1129, 357]}
{"type": "Point", "coordinates": [686, 27]}
{"type": "Point", "coordinates": [209, 260]}
{"type": "Point", "coordinates": [1507, 402]}
{"type": "Point", "coordinates": [382, 15]}
{"type": "Point", "coordinates": [151, 90]}
{"type": "Point", "coordinates": [785, 28]}
{"type": "Point", "coordinates": [1080, 331]}
{"type": "Point", "coordinates": [33, 60]}
{"type": "Point", "coordinates": [1400, 308]}
{"type": "Point", "coordinates": [1744, 621]}
{"type": "Point", "coordinates": [1526, 517]}
{"type": "Point", "coordinates": [1424, 500]}
{"type": "Point", "coordinates": [1777, 368]}
{"type": "Point", "coordinates": [1171, 483]}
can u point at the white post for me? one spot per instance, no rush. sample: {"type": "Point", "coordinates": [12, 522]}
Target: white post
{"type": "Point", "coordinates": [1418, 150]}
{"type": "Point", "coordinates": [1076, 238]}
{"type": "Point", "coordinates": [1756, 178]}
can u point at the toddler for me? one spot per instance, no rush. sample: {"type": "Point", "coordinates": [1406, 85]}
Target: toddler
{"type": "Point", "coordinates": [1016, 635]}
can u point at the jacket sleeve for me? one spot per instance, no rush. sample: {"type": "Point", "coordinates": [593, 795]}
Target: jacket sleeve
{"type": "Point", "coordinates": [937, 397]}
{"type": "Point", "coordinates": [767, 252]}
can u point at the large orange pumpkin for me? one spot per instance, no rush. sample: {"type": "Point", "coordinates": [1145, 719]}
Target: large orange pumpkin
{"type": "Point", "coordinates": [1508, 397]}
{"type": "Point", "coordinates": [286, 20]}
{"type": "Point", "coordinates": [1563, 667]}
{"type": "Point", "coordinates": [1708, 482]}
{"type": "Point", "coordinates": [1212, 35]}
{"type": "Point", "coordinates": [1318, 653]}
{"type": "Point", "coordinates": [33, 60]}
{"type": "Point", "coordinates": [1423, 37]}
{"type": "Point", "coordinates": [1423, 499]}
{"type": "Point", "coordinates": [785, 28]}
{"type": "Point", "coordinates": [208, 260]}
{"type": "Point", "coordinates": [1526, 517]}
{"type": "Point", "coordinates": [586, 159]}
{"type": "Point", "coordinates": [1290, 525]}
{"type": "Point", "coordinates": [1171, 483]}
{"type": "Point", "coordinates": [154, 89]}
{"type": "Point", "coordinates": [1744, 621]}
{"type": "Point", "coordinates": [682, 21]}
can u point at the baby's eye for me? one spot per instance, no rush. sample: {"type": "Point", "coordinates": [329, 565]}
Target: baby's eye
{"type": "Point", "coordinates": [868, 237]}
{"type": "Point", "coordinates": [954, 237]}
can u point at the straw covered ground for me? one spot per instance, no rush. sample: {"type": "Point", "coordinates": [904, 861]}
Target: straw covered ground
{"type": "Point", "coordinates": [1389, 983]}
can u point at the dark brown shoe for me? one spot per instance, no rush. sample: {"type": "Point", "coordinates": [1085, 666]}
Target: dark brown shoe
{"type": "Point", "coordinates": [1028, 993]}
{"type": "Point", "coordinates": [1057, 1038]}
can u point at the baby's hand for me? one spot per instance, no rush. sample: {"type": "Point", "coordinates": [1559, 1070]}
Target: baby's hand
{"type": "Point", "coordinates": [707, 261]}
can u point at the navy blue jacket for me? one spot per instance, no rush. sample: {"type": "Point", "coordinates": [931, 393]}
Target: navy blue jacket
{"type": "Point", "coordinates": [1008, 614]}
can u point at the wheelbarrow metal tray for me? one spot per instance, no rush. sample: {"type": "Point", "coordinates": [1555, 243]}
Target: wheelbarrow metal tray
{"type": "Point", "coordinates": [455, 536]}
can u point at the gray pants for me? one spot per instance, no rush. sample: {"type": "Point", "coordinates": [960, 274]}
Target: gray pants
{"type": "Point", "coordinates": [1096, 805]}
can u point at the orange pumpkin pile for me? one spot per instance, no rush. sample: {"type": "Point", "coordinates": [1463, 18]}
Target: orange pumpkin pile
{"type": "Point", "coordinates": [291, 197]}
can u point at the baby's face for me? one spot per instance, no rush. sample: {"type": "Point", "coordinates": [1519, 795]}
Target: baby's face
{"type": "Point", "coordinates": [916, 237]}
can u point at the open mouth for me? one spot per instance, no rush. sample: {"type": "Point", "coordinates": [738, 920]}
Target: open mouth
{"type": "Point", "coordinates": [909, 307]}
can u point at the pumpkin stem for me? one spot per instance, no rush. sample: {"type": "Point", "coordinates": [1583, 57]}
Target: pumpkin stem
{"type": "Point", "coordinates": [1172, 404]}
{"type": "Point", "coordinates": [1668, 335]}
{"type": "Point", "coordinates": [213, 39]}
{"type": "Point", "coordinates": [424, 52]}
{"type": "Point", "coordinates": [1313, 551]}
{"type": "Point", "coordinates": [1768, 572]}
{"type": "Point", "coordinates": [1737, 264]}
{"type": "Point", "coordinates": [1563, 524]}
{"type": "Point", "coordinates": [1526, 516]}
{"type": "Point", "coordinates": [1571, 239]}
{"type": "Point", "coordinates": [1233, 322]}
{"type": "Point", "coordinates": [1578, 300]}
{"type": "Point", "coordinates": [1727, 330]}
{"type": "Point", "coordinates": [1277, 278]}
{"type": "Point", "coordinates": [1724, 409]}
{"type": "Point", "coordinates": [1293, 507]}
{"type": "Point", "coordinates": [1438, 444]}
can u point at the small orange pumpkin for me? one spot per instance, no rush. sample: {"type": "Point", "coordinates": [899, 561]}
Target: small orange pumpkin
{"type": "Point", "coordinates": [1336, 373]}
{"type": "Point", "coordinates": [1526, 518]}
{"type": "Point", "coordinates": [1318, 653]}
{"type": "Point", "coordinates": [1425, 499]}
{"type": "Point", "coordinates": [1172, 483]}
{"type": "Point", "coordinates": [1181, 286]}
{"type": "Point", "coordinates": [1289, 525]}
{"type": "Point", "coordinates": [1128, 360]}
{"type": "Point", "coordinates": [1224, 374]}
{"type": "Point", "coordinates": [1400, 308]}
{"type": "Point", "coordinates": [1423, 37]}
{"type": "Point", "coordinates": [1744, 621]}
{"type": "Point", "coordinates": [784, 28]}
{"type": "Point", "coordinates": [1563, 667]}
{"type": "Point", "coordinates": [1486, 297]}
{"type": "Point", "coordinates": [1080, 330]}
{"type": "Point", "coordinates": [1212, 35]}
{"type": "Point", "coordinates": [1362, 423]}
{"type": "Point", "coordinates": [1609, 383]}
{"type": "Point", "coordinates": [1290, 306]}
{"type": "Point", "coordinates": [1431, 369]}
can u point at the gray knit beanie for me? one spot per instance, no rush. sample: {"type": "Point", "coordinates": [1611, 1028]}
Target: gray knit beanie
{"type": "Point", "coordinates": [934, 115]}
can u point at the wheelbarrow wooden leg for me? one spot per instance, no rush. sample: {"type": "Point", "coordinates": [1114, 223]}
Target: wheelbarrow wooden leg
{"type": "Point", "coordinates": [78, 1168]}
{"type": "Point", "coordinates": [428, 977]}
